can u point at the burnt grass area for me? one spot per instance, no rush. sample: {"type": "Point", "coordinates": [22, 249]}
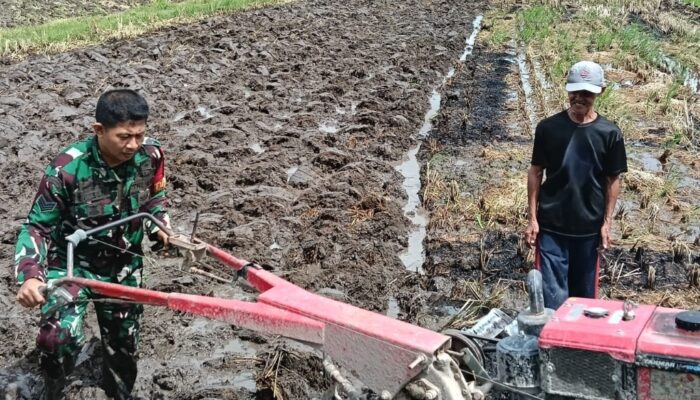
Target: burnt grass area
{"type": "Point", "coordinates": [282, 126]}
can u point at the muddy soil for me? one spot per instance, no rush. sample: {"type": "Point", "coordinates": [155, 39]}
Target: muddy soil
{"type": "Point", "coordinates": [283, 127]}
{"type": "Point", "coordinates": [32, 12]}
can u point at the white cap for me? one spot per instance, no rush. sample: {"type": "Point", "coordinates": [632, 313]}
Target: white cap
{"type": "Point", "coordinates": [585, 75]}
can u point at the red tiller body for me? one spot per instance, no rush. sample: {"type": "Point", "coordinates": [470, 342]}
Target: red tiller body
{"type": "Point", "coordinates": [668, 358]}
{"type": "Point", "coordinates": [572, 328]}
{"type": "Point", "coordinates": [379, 350]}
{"type": "Point", "coordinates": [644, 358]}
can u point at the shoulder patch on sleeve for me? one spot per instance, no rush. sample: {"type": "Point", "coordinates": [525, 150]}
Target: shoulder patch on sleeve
{"type": "Point", "coordinates": [46, 204]}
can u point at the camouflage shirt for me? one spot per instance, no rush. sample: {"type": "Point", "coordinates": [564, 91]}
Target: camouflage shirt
{"type": "Point", "coordinates": [79, 190]}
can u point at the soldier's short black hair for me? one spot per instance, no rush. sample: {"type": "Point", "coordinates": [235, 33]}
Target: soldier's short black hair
{"type": "Point", "coordinates": [120, 105]}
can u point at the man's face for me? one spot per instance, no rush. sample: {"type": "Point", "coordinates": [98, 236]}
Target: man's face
{"type": "Point", "coordinates": [119, 143]}
{"type": "Point", "coordinates": [581, 102]}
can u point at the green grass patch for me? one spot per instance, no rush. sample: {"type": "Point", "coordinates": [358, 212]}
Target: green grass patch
{"type": "Point", "coordinates": [695, 3]}
{"type": "Point", "coordinates": [498, 36]}
{"type": "Point", "coordinates": [535, 23]}
{"type": "Point", "coordinates": [636, 40]}
{"type": "Point", "coordinates": [81, 31]}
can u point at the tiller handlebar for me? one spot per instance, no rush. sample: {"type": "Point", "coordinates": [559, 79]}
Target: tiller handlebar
{"type": "Point", "coordinates": [382, 352]}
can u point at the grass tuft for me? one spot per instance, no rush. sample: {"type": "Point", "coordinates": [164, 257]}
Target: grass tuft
{"type": "Point", "coordinates": [536, 22]}
{"type": "Point", "coordinates": [64, 34]}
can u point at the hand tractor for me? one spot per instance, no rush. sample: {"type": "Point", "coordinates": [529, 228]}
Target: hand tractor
{"type": "Point", "coordinates": [587, 349]}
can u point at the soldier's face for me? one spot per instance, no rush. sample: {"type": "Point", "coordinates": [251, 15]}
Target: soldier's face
{"type": "Point", "coordinates": [119, 144]}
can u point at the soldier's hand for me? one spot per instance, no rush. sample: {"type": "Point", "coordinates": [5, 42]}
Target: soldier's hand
{"type": "Point", "coordinates": [29, 294]}
{"type": "Point", "coordinates": [163, 238]}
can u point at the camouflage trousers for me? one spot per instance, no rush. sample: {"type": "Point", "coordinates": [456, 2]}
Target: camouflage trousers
{"type": "Point", "coordinates": [61, 334]}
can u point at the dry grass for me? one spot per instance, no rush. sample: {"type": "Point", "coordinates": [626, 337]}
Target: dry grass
{"type": "Point", "coordinates": [506, 202]}
{"type": "Point", "coordinates": [268, 377]}
{"type": "Point", "coordinates": [604, 31]}
{"type": "Point", "coordinates": [310, 214]}
{"type": "Point", "coordinates": [509, 153]}
{"type": "Point", "coordinates": [643, 182]}
{"type": "Point", "coordinates": [450, 208]}
{"type": "Point", "coordinates": [365, 209]}
{"type": "Point", "coordinates": [479, 298]}
{"type": "Point", "coordinates": [684, 298]}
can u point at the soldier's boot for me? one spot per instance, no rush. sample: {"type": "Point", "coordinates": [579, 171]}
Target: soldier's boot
{"type": "Point", "coordinates": [53, 387]}
{"type": "Point", "coordinates": [54, 371]}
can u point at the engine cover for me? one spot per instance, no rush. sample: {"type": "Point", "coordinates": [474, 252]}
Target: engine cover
{"type": "Point", "coordinates": [588, 350]}
{"type": "Point", "coordinates": [668, 358]}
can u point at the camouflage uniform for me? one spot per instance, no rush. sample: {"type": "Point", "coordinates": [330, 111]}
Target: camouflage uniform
{"type": "Point", "coordinates": [79, 190]}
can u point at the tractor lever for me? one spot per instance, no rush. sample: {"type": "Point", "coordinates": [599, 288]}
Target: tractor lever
{"type": "Point", "coordinates": [60, 295]}
{"type": "Point", "coordinates": [194, 250]}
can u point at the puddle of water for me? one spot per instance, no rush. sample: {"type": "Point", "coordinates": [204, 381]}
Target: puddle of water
{"type": "Point", "coordinates": [527, 88]}
{"type": "Point", "coordinates": [245, 380]}
{"type": "Point", "coordinates": [236, 346]}
{"type": "Point", "coordinates": [392, 308]}
{"type": "Point", "coordinates": [648, 161]}
{"type": "Point", "coordinates": [448, 310]}
{"type": "Point", "coordinates": [688, 182]}
{"type": "Point", "coordinates": [329, 127]}
{"type": "Point", "coordinates": [180, 116]}
{"type": "Point", "coordinates": [291, 172]}
{"type": "Point", "coordinates": [257, 148]}
{"type": "Point", "coordinates": [414, 256]}
{"type": "Point", "coordinates": [436, 97]}
{"type": "Point", "coordinates": [512, 97]}
{"type": "Point", "coordinates": [690, 79]}
{"type": "Point", "coordinates": [471, 39]}
{"type": "Point", "coordinates": [204, 112]}
{"type": "Point", "coordinates": [435, 100]}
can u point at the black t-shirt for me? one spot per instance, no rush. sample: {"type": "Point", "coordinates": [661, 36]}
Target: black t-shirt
{"type": "Point", "coordinates": [577, 159]}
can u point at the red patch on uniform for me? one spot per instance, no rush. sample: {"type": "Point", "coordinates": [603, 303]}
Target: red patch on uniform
{"type": "Point", "coordinates": [158, 182]}
{"type": "Point", "coordinates": [158, 186]}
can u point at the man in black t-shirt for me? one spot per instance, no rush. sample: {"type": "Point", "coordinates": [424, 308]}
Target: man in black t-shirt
{"type": "Point", "coordinates": [582, 155]}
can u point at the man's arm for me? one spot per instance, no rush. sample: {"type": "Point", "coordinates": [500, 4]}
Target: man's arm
{"type": "Point", "coordinates": [34, 238]}
{"type": "Point", "coordinates": [157, 204]}
{"type": "Point", "coordinates": [612, 191]}
{"type": "Point", "coordinates": [534, 181]}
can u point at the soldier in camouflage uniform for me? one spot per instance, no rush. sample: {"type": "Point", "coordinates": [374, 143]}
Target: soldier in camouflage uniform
{"type": "Point", "coordinates": [111, 175]}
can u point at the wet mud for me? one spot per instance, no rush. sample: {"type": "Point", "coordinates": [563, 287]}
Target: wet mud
{"type": "Point", "coordinates": [283, 127]}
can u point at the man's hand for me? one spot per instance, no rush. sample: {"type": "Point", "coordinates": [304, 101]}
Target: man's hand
{"type": "Point", "coordinates": [531, 232]}
{"type": "Point", "coordinates": [163, 238]}
{"type": "Point", "coordinates": [29, 294]}
{"type": "Point", "coordinates": [605, 235]}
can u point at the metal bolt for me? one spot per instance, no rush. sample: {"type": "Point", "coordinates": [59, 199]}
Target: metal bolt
{"type": "Point", "coordinates": [550, 367]}
{"type": "Point", "coordinates": [615, 378]}
{"type": "Point", "coordinates": [385, 395]}
{"type": "Point", "coordinates": [418, 361]}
